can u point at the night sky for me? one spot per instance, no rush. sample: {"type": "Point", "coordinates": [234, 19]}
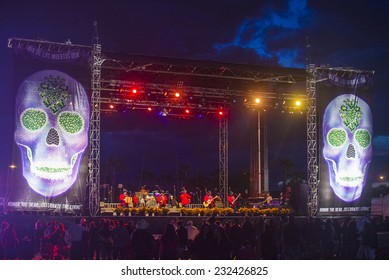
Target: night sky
{"type": "Point", "coordinates": [268, 33]}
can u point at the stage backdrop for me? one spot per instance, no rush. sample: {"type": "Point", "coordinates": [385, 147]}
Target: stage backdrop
{"type": "Point", "coordinates": [345, 127]}
{"type": "Point", "coordinates": [51, 89]}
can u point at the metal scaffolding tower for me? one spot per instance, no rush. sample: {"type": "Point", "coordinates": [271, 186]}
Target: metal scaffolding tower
{"type": "Point", "coordinates": [312, 150]}
{"type": "Point", "coordinates": [223, 158]}
{"type": "Point", "coordinates": [93, 178]}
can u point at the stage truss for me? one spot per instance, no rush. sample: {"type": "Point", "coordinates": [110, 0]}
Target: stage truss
{"type": "Point", "coordinates": [205, 87]}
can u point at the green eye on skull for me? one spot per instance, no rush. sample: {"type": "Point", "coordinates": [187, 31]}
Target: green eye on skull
{"type": "Point", "coordinates": [71, 122]}
{"type": "Point", "coordinates": [363, 137]}
{"type": "Point", "coordinates": [336, 137]}
{"type": "Point", "coordinates": [33, 119]}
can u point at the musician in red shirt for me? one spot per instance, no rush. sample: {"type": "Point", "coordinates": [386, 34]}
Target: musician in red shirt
{"type": "Point", "coordinates": [209, 200]}
{"type": "Point", "coordinates": [232, 200]}
{"type": "Point", "coordinates": [122, 198]}
{"type": "Point", "coordinates": [185, 198]}
{"type": "Point", "coordinates": [135, 200]}
{"type": "Point", "coordinates": [162, 199]}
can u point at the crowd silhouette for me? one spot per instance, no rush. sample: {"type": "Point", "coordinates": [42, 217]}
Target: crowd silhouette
{"type": "Point", "coordinates": [248, 238]}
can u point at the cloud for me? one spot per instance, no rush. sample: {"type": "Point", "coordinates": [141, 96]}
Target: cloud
{"type": "Point", "coordinates": [260, 32]}
{"type": "Point", "coordinates": [381, 145]}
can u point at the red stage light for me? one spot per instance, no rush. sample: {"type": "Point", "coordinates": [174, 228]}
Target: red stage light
{"type": "Point", "coordinates": [149, 109]}
{"type": "Point", "coordinates": [177, 94]}
{"type": "Point", "coordinates": [187, 111]}
{"type": "Point", "coordinates": [134, 91]}
{"type": "Point", "coordinates": [221, 113]}
{"type": "Point", "coordinates": [111, 106]}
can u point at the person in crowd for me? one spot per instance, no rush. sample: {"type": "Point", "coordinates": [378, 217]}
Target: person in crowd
{"type": "Point", "coordinates": [291, 237]}
{"type": "Point", "coordinates": [105, 240]}
{"type": "Point", "coordinates": [311, 234]}
{"type": "Point", "coordinates": [183, 241]}
{"type": "Point", "coordinates": [93, 249]}
{"type": "Point", "coordinates": [38, 236]}
{"type": "Point", "coordinates": [350, 240]}
{"type": "Point", "coordinates": [192, 231]}
{"type": "Point", "coordinates": [327, 240]}
{"type": "Point", "coordinates": [236, 237]}
{"type": "Point", "coordinates": [3, 226]}
{"type": "Point", "coordinates": [247, 251]}
{"type": "Point", "coordinates": [121, 239]}
{"type": "Point", "coordinates": [169, 243]}
{"type": "Point", "coordinates": [203, 245]}
{"type": "Point", "coordinates": [58, 239]}
{"type": "Point", "coordinates": [268, 241]}
{"type": "Point", "coordinates": [10, 242]}
{"type": "Point", "coordinates": [142, 241]}
{"type": "Point", "coordinates": [49, 230]}
{"type": "Point", "coordinates": [248, 231]}
{"type": "Point", "coordinates": [368, 243]}
{"type": "Point", "coordinates": [75, 233]}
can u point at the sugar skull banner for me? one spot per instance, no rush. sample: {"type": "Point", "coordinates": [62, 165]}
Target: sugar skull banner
{"type": "Point", "coordinates": [345, 148]}
{"type": "Point", "coordinates": [51, 135]}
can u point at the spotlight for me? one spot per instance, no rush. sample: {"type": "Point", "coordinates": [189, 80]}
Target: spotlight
{"type": "Point", "coordinates": [187, 111]}
{"type": "Point", "coordinates": [111, 106]}
{"type": "Point", "coordinates": [257, 100]}
{"type": "Point", "coordinates": [134, 90]}
{"type": "Point", "coordinates": [177, 94]}
{"type": "Point", "coordinates": [221, 113]}
{"type": "Point", "coordinates": [298, 103]}
{"type": "Point", "coordinates": [149, 109]}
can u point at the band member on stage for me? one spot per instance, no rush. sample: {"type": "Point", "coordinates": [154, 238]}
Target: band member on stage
{"type": "Point", "coordinates": [268, 199]}
{"type": "Point", "coordinates": [209, 200]}
{"type": "Point", "coordinates": [135, 200]}
{"type": "Point", "coordinates": [143, 193]}
{"type": "Point", "coordinates": [233, 200]}
{"type": "Point", "coordinates": [162, 199]}
{"type": "Point", "coordinates": [185, 198]}
{"type": "Point", "coordinates": [122, 198]}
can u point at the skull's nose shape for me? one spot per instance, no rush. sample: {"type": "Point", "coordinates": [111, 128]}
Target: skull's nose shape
{"type": "Point", "coordinates": [350, 151]}
{"type": "Point", "coordinates": [52, 137]}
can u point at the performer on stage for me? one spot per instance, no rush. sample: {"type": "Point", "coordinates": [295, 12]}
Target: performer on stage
{"type": "Point", "coordinates": [162, 199]}
{"type": "Point", "coordinates": [122, 198]}
{"type": "Point", "coordinates": [135, 200]}
{"type": "Point", "coordinates": [268, 199]}
{"type": "Point", "coordinates": [232, 200]}
{"type": "Point", "coordinates": [185, 198]}
{"type": "Point", "coordinates": [209, 200]}
{"type": "Point", "coordinates": [143, 193]}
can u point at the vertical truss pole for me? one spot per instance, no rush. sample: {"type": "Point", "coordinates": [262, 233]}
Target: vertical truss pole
{"type": "Point", "coordinates": [312, 149]}
{"type": "Point", "coordinates": [223, 158]}
{"type": "Point", "coordinates": [93, 179]}
{"type": "Point", "coordinates": [259, 150]}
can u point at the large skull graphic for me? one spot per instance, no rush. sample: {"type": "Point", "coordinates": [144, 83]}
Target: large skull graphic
{"type": "Point", "coordinates": [52, 120]}
{"type": "Point", "coordinates": [347, 136]}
